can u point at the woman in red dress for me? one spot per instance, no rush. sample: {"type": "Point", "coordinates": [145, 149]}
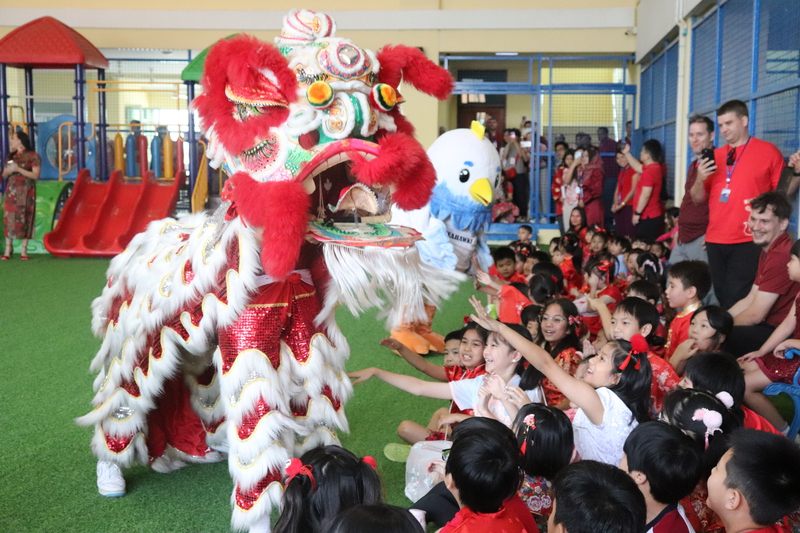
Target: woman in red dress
{"type": "Point", "coordinates": [19, 208]}
{"type": "Point", "coordinates": [591, 179]}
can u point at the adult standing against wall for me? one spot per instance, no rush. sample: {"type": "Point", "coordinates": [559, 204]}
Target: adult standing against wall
{"type": "Point", "coordinates": [648, 208]}
{"type": "Point", "coordinates": [623, 196]}
{"type": "Point", "coordinates": [742, 169]}
{"type": "Point", "coordinates": [694, 215]}
{"type": "Point", "coordinates": [608, 152]}
{"type": "Point", "coordinates": [591, 179]}
{"type": "Point", "coordinates": [19, 207]}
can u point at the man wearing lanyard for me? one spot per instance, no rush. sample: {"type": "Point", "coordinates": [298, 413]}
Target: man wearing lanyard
{"type": "Point", "coordinates": [741, 170]}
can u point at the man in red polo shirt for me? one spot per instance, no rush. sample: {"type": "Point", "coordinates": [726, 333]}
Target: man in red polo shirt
{"type": "Point", "coordinates": [742, 169]}
{"type": "Point", "coordinates": [771, 298]}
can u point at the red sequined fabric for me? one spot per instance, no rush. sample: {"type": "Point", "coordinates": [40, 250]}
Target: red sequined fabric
{"type": "Point", "coordinates": [117, 444]}
{"type": "Point", "coordinates": [250, 421]}
{"type": "Point", "coordinates": [247, 499]}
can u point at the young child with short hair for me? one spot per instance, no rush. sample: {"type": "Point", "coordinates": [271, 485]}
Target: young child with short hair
{"type": "Point", "coordinates": [619, 247]}
{"type": "Point", "coordinates": [709, 328]}
{"type": "Point", "coordinates": [589, 496]}
{"type": "Point", "coordinates": [504, 268]}
{"type": "Point", "coordinates": [523, 245]}
{"type": "Point", "coordinates": [665, 464]}
{"type": "Point", "coordinates": [545, 439]}
{"type": "Point", "coordinates": [688, 282]}
{"type": "Point", "coordinates": [600, 272]}
{"type": "Point", "coordinates": [569, 257]}
{"type": "Point", "coordinates": [756, 482]}
{"type": "Point", "coordinates": [322, 483]}
{"type": "Point", "coordinates": [483, 474]}
{"type": "Point", "coordinates": [530, 319]}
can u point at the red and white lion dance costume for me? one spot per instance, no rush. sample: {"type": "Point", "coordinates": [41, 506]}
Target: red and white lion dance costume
{"type": "Point", "coordinates": [219, 330]}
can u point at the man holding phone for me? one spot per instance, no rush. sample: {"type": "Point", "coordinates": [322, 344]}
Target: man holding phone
{"type": "Point", "coordinates": [694, 215]}
{"type": "Point", "coordinates": [741, 170]}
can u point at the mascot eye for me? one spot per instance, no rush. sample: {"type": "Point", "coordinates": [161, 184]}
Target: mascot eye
{"type": "Point", "coordinates": [463, 176]}
{"type": "Point", "coordinates": [319, 94]}
{"type": "Point", "coordinates": [384, 97]}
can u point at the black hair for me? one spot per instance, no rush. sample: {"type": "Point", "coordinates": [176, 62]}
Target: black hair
{"type": "Point", "coordinates": [552, 271]}
{"type": "Point", "coordinates": [795, 251]}
{"type": "Point", "coordinates": [603, 265]}
{"type": "Point", "coordinates": [529, 375]}
{"type": "Point", "coordinates": [571, 244]}
{"type": "Point", "coordinates": [692, 274]}
{"type": "Point", "coordinates": [548, 443]}
{"type": "Point", "coordinates": [540, 256]}
{"type": "Point", "coordinates": [473, 326]}
{"type": "Point", "coordinates": [645, 313]}
{"type": "Point", "coordinates": [719, 319]}
{"type": "Point", "coordinates": [527, 228]}
{"type": "Point", "coordinates": [651, 268]}
{"type": "Point", "coordinates": [733, 106]}
{"type": "Point", "coordinates": [765, 468]}
{"type": "Point", "coordinates": [503, 252]}
{"type": "Point", "coordinates": [341, 480]}
{"type": "Point", "coordinates": [670, 460]}
{"type": "Point", "coordinates": [377, 517]}
{"type": "Point", "coordinates": [23, 139]}
{"type": "Point", "coordinates": [530, 312]}
{"type": "Point", "coordinates": [648, 289]}
{"type": "Point", "coordinates": [624, 242]}
{"type": "Point", "coordinates": [569, 151]}
{"type": "Point", "coordinates": [716, 372]}
{"type": "Point", "coordinates": [572, 338]}
{"type": "Point", "coordinates": [582, 212]}
{"type": "Point", "coordinates": [633, 387]}
{"type": "Point", "coordinates": [654, 148]}
{"type": "Point", "coordinates": [674, 212]}
{"type": "Point", "coordinates": [485, 468]}
{"type": "Point", "coordinates": [679, 409]}
{"type": "Point", "coordinates": [521, 287]}
{"type": "Point", "coordinates": [776, 200]}
{"type": "Point", "coordinates": [700, 119]}
{"type": "Point", "coordinates": [561, 143]}
{"type": "Point", "coordinates": [591, 496]}
{"type": "Point", "coordinates": [454, 335]}
{"type": "Point", "coordinates": [542, 288]}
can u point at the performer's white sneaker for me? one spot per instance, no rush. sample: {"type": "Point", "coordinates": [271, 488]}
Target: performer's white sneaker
{"type": "Point", "coordinates": [110, 482]}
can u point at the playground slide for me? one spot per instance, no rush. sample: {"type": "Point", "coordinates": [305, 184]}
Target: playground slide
{"type": "Point", "coordinates": [100, 218]}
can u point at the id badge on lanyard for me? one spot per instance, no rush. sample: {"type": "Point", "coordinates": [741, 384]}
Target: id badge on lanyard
{"type": "Point", "coordinates": [725, 193]}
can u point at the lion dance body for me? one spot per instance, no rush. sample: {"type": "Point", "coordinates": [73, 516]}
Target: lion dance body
{"type": "Point", "coordinates": [218, 330]}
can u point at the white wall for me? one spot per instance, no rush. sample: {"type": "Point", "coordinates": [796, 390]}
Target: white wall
{"type": "Point", "coordinates": [654, 20]}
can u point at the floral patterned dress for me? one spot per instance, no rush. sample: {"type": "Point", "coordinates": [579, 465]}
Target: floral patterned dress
{"type": "Point", "coordinates": [19, 208]}
{"type": "Point", "coordinates": [537, 494]}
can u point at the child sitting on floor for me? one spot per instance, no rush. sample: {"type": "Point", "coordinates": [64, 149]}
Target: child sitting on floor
{"type": "Point", "coordinates": [322, 483]}
{"type": "Point", "coordinates": [485, 394]}
{"type": "Point", "coordinates": [709, 328]}
{"type": "Point", "coordinates": [612, 398]}
{"type": "Point", "coordinates": [600, 273]}
{"type": "Point", "coordinates": [590, 496]}
{"type": "Point", "coordinates": [665, 465]}
{"type": "Point", "coordinates": [483, 474]}
{"type": "Point", "coordinates": [471, 365]}
{"type": "Point", "coordinates": [559, 334]}
{"type": "Point", "coordinates": [688, 282]}
{"type": "Point", "coordinates": [756, 482]}
{"type": "Point", "coordinates": [636, 316]}
{"type": "Point", "coordinates": [530, 319]}
{"type": "Point", "coordinates": [716, 373]}
{"type": "Point", "coordinates": [544, 435]}
{"type": "Point", "coordinates": [504, 268]}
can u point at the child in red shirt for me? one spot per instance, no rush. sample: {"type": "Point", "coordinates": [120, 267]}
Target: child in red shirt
{"type": "Point", "coordinates": [483, 475]}
{"type": "Point", "coordinates": [504, 268]}
{"type": "Point", "coordinates": [568, 255]}
{"type": "Point", "coordinates": [688, 282]}
{"type": "Point", "coordinates": [600, 273]}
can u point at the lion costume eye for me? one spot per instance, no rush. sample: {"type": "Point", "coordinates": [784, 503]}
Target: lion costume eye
{"type": "Point", "coordinates": [319, 94]}
{"type": "Point", "coordinates": [384, 97]}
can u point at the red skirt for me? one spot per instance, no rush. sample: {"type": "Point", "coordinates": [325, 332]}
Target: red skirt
{"type": "Point", "coordinates": [778, 369]}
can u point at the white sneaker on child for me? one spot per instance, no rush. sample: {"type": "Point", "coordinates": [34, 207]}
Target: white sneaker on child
{"type": "Point", "coordinates": [110, 482]}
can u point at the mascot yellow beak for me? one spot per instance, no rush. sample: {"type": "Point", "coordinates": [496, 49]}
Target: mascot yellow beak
{"type": "Point", "coordinates": [481, 191]}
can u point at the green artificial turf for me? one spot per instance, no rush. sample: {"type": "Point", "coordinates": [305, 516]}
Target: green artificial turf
{"type": "Point", "coordinates": [47, 471]}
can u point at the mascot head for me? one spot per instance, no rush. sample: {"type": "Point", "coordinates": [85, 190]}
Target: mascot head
{"type": "Point", "coordinates": [468, 172]}
{"type": "Point", "coordinates": [311, 128]}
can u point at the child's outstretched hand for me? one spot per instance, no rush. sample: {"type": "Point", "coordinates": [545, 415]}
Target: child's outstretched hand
{"type": "Point", "coordinates": [516, 396]}
{"type": "Point", "coordinates": [481, 317]}
{"type": "Point", "coordinates": [360, 376]}
{"type": "Point", "coordinates": [495, 386]}
{"type": "Point", "coordinates": [588, 349]}
{"type": "Point", "coordinates": [393, 344]}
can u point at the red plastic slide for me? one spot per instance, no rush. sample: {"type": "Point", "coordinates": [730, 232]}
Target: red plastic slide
{"type": "Point", "coordinates": [100, 218]}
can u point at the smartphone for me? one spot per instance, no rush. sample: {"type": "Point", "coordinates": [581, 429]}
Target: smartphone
{"type": "Point", "coordinates": [578, 155]}
{"type": "Point", "coordinates": [525, 144]}
{"type": "Point", "coordinates": [707, 153]}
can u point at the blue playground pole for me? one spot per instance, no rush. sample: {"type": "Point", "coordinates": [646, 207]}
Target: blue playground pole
{"type": "Point", "coordinates": [131, 162]}
{"type": "Point", "coordinates": [155, 162]}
